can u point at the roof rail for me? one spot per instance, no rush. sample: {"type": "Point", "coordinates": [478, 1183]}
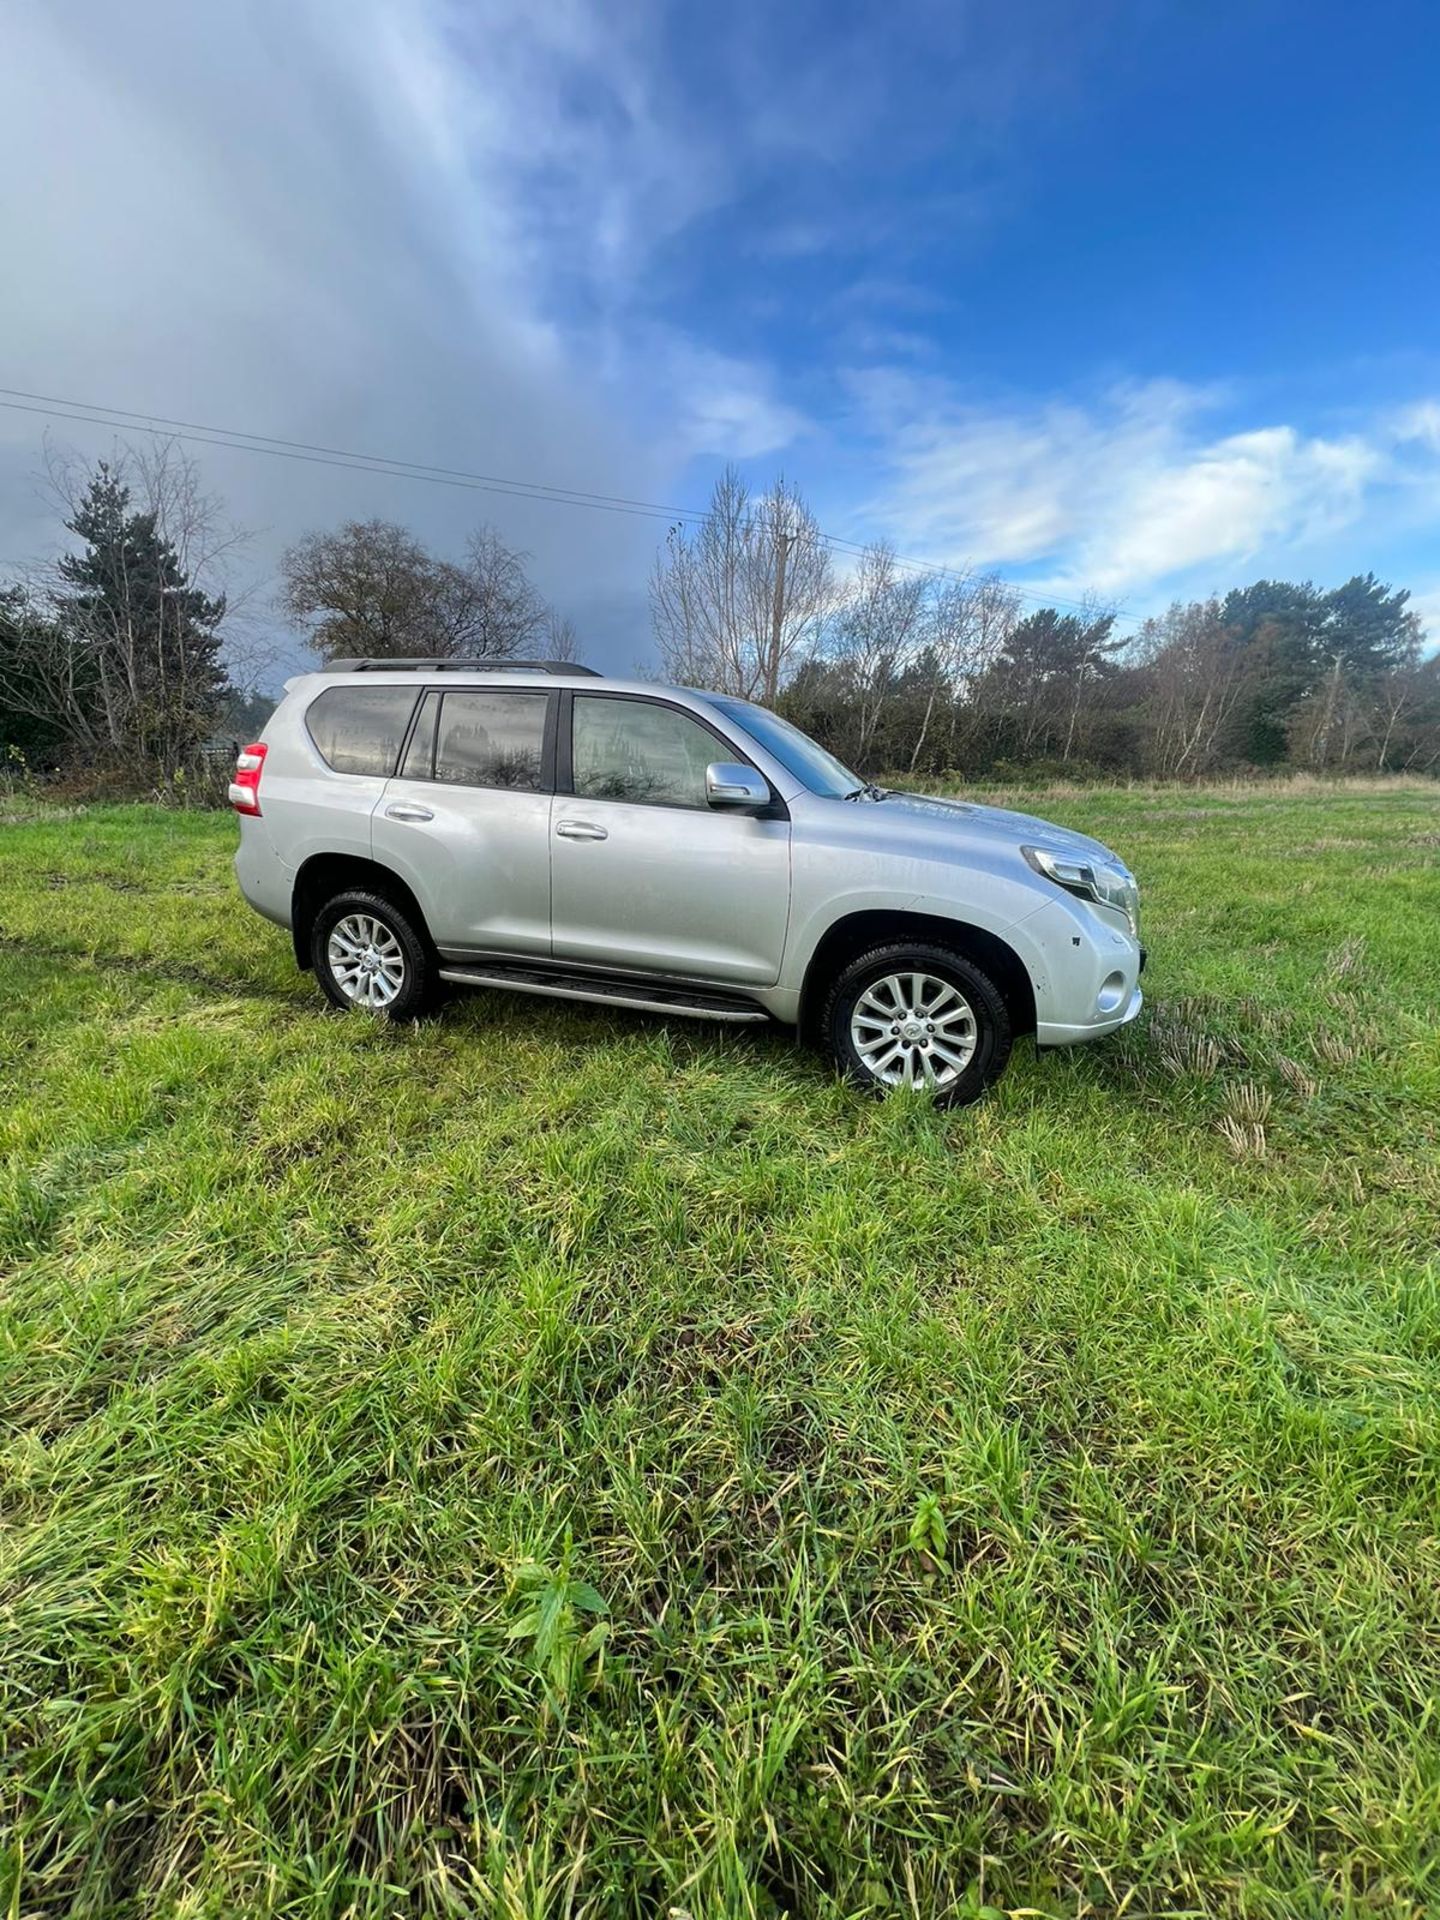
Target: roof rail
{"type": "Point", "coordinates": [371, 665]}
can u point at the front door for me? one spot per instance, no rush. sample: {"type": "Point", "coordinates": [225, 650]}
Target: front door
{"type": "Point", "coordinates": [644, 874]}
{"type": "Point", "coordinates": [466, 819]}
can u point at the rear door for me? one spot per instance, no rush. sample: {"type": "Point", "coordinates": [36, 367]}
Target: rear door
{"type": "Point", "coordinates": [645, 875]}
{"type": "Point", "coordinates": [466, 819]}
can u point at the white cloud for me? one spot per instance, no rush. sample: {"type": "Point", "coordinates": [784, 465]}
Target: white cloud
{"type": "Point", "coordinates": [1227, 501]}
{"type": "Point", "coordinates": [1419, 423]}
{"type": "Point", "coordinates": [722, 407]}
{"type": "Point", "coordinates": [1126, 493]}
{"type": "Point", "coordinates": [1425, 601]}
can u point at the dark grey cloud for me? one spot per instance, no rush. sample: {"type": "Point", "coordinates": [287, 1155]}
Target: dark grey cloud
{"type": "Point", "coordinates": [305, 219]}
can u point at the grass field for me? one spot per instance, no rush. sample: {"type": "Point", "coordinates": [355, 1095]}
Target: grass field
{"type": "Point", "coordinates": [547, 1463]}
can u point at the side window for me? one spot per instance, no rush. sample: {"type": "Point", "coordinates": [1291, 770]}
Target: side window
{"type": "Point", "coordinates": [491, 739]}
{"type": "Point", "coordinates": [421, 751]}
{"type": "Point", "coordinates": [636, 750]}
{"type": "Point", "coordinates": [359, 729]}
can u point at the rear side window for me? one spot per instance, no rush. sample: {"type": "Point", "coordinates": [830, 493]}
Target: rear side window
{"type": "Point", "coordinates": [491, 739]}
{"type": "Point", "coordinates": [359, 729]}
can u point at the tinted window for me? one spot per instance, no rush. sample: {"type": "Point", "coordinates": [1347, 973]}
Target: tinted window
{"type": "Point", "coordinates": [491, 739]}
{"type": "Point", "coordinates": [359, 729]}
{"type": "Point", "coordinates": [634, 750]}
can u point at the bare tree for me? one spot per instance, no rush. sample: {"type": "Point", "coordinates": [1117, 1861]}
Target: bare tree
{"type": "Point", "coordinates": [503, 612]}
{"type": "Point", "coordinates": [1193, 664]}
{"type": "Point", "coordinates": [739, 601]}
{"type": "Point", "coordinates": [966, 624]}
{"type": "Point", "coordinates": [973, 632]}
{"type": "Point", "coordinates": [47, 684]}
{"type": "Point", "coordinates": [1401, 689]}
{"type": "Point", "coordinates": [561, 642]}
{"type": "Point", "coordinates": [875, 634]}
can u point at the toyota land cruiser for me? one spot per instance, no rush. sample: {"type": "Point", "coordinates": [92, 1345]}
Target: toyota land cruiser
{"type": "Point", "coordinates": [418, 824]}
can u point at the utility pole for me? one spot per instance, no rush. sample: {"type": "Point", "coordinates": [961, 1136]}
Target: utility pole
{"type": "Point", "coordinates": [783, 543]}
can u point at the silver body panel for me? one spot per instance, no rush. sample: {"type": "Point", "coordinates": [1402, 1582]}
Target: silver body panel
{"type": "Point", "coordinates": [479, 866]}
{"type": "Point", "coordinates": [717, 897]}
{"type": "Point", "coordinates": [671, 890]}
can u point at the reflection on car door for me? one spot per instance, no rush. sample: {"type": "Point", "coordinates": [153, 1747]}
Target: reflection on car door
{"type": "Point", "coordinates": [644, 873]}
{"type": "Point", "coordinates": [466, 819]}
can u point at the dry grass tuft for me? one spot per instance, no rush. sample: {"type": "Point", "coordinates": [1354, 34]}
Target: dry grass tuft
{"type": "Point", "coordinates": [1245, 1141]}
{"type": "Point", "coordinates": [1250, 1011]}
{"type": "Point", "coordinates": [1248, 1104]}
{"type": "Point", "coordinates": [1295, 1076]}
{"type": "Point", "coordinates": [1185, 1049]}
{"type": "Point", "coordinates": [1334, 1049]}
{"type": "Point", "coordinates": [1346, 958]}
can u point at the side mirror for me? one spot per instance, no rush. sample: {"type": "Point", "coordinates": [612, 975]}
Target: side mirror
{"type": "Point", "coordinates": [728, 784]}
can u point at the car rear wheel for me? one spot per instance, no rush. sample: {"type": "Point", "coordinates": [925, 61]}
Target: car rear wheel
{"type": "Point", "coordinates": [367, 954]}
{"type": "Point", "coordinates": [918, 1016]}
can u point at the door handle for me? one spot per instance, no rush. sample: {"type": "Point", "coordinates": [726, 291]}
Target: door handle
{"type": "Point", "coordinates": [581, 830]}
{"type": "Point", "coordinates": [403, 810]}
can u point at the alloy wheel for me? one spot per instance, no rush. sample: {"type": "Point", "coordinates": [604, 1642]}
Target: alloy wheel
{"type": "Point", "coordinates": [914, 1030]}
{"type": "Point", "coordinates": [366, 959]}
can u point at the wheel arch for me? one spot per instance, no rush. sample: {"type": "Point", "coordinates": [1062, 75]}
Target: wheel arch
{"type": "Point", "coordinates": [855, 933]}
{"type": "Point", "coordinates": [324, 875]}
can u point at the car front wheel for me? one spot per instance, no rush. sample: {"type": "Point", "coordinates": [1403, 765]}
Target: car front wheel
{"type": "Point", "coordinates": [367, 954]}
{"type": "Point", "coordinates": [918, 1016]}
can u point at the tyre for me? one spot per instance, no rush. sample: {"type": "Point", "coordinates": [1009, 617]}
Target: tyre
{"type": "Point", "coordinates": [368, 953]}
{"type": "Point", "coordinates": [920, 1016]}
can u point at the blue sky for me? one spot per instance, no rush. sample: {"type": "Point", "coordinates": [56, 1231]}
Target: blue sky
{"type": "Point", "coordinates": [1120, 297]}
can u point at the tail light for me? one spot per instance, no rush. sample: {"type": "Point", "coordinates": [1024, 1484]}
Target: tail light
{"type": "Point", "coordinates": [245, 787]}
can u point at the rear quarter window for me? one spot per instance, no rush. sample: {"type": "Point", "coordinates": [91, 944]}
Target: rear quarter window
{"type": "Point", "coordinates": [360, 729]}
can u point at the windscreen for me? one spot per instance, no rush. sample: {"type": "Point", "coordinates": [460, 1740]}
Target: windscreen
{"type": "Point", "coordinates": [811, 765]}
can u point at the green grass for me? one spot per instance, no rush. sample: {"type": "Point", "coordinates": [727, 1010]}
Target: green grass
{"type": "Point", "coordinates": [549, 1463]}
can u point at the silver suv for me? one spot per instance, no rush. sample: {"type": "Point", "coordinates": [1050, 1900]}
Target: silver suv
{"type": "Point", "coordinates": [418, 824]}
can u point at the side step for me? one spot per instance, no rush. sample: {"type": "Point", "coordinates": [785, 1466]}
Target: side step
{"type": "Point", "coordinates": [689, 1002]}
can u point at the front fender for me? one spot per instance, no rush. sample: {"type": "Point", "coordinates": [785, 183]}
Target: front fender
{"type": "Point", "coordinates": [822, 900]}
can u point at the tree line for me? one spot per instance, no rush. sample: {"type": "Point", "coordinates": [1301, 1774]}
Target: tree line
{"type": "Point", "coordinates": [128, 655]}
{"type": "Point", "coordinates": [1277, 674]}
{"type": "Point", "coordinates": [901, 669]}
{"type": "Point", "coordinates": [126, 661]}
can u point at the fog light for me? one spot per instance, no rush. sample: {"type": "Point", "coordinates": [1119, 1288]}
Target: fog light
{"type": "Point", "coordinates": [1112, 993]}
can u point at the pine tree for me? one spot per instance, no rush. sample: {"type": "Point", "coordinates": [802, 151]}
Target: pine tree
{"type": "Point", "coordinates": [152, 636]}
{"type": "Point", "coordinates": [1368, 627]}
{"type": "Point", "coordinates": [1276, 627]}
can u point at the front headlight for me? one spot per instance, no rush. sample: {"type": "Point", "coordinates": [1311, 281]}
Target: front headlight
{"type": "Point", "coordinates": [1108, 886]}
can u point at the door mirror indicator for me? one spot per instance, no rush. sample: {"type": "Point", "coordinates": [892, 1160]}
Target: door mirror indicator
{"type": "Point", "coordinates": [729, 784]}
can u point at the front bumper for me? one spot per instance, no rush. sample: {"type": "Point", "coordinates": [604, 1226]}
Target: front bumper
{"type": "Point", "coordinates": [1054, 1033]}
{"type": "Point", "coordinates": [1085, 971]}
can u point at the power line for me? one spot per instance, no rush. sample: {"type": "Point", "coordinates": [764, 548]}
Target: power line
{"type": "Point", "coordinates": [237, 439]}
{"type": "Point", "coordinates": [264, 442]}
{"type": "Point", "coordinates": [397, 470]}
{"type": "Point", "coordinates": [345, 460]}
